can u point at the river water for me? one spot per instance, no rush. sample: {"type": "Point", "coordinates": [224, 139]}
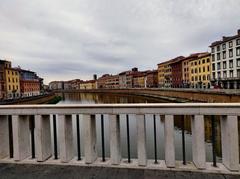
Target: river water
{"type": "Point", "coordinates": [88, 98]}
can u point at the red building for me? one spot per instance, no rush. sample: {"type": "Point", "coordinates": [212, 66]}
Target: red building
{"type": "Point", "coordinates": [176, 66]}
{"type": "Point", "coordinates": [152, 79]}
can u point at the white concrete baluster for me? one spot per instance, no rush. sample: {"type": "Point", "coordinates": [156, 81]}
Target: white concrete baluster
{"type": "Point", "coordinates": [169, 141]}
{"type": "Point", "coordinates": [65, 137]}
{"type": "Point", "coordinates": [21, 139]}
{"type": "Point", "coordinates": [43, 137]}
{"type": "Point", "coordinates": [115, 144]}
{"type": "Point", "coordinates": [198, 145]}
{"type": "Point", "coordinates": [4, 137]}
{"type": "Point", "coordinates": [90, 138]}
{"type": "Point", "coordinates": [141, 140]}
{"type": "Point", "coordinates": [230, 144]}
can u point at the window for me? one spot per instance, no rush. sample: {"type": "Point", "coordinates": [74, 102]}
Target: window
{"type": "Point", "coordinates": [224, 74]}
{"type": "Point", "coordinates": [196, 78]}
{"type": "Point", "coordinates": [9, 87]}
{"type": "Point", "coordinates": [218, 48]}
{"type": "Point", "coordinates": [213, 50]}
{"type": "Point", "coordinates": [230, 44]}
{"type": "Point", "coordinates": [199, 62]}
{"type": "Point", "coordinates": [231, 73]}
{"type": "Point", "coordinates": [238, 51]}
{"type": "Point", "coordinates": [9, 80]}
{"type": "Point", "coordinates": [224, 65]}
{"type": "Point", "coordinates": [200, 78]}
{"type": "Point", "coordinates": [213, 75]}
{"type": "Point", "coordinates": [218, 66]}
{"type": "Point", "coordinates": [195, 63]}
{"type": "Point", "coordinates": [208, 68]}
{"type": "Point", "coordinates": [192, 71]}
{"type": "Point", "coordinates": [223, 46]}
{"type": "Point", "coordinates": [230, 63]}
{"type": "Point", "coordinates": [208, 60]}
{"type": "Point", "coordinates": [192, 78]}
{"type": "Point", "coordinates": [199, 70]}
{"type": "Point", "coordinates": [238, 73]}
{"type": "Point", "coordinates": [218, 56]}
{"type": "Point", "coordinates": [238, 62]}
{"type": "Point", "coordinates": [238, 41]}
{"type": "Point", "coordinates": [230, 53]}
{"type": "Point", "coordinates": [203, 61]}
{"type": "Point", "coordinates": [213, 66]}
{"type": "Point", "coordinates": [219, 75]}
{"type": "Point", "coordinates": [203, 69]}
{"type": "Point", "coordinates": [195, 70]}
{"type": "Point", "coordinates": [15, 73]}
{"type": "Point", "coordinates": [224, 54]}
{"type": "Point", "coordinates": [213, 57]}
{"type": "Point", "coordinates": [204, 77]}
{"type": "Point", "coordinates": [12, 73]}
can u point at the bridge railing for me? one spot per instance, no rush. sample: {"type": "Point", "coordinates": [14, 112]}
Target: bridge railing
{"type": "Point", "coordinates": [18, 129]}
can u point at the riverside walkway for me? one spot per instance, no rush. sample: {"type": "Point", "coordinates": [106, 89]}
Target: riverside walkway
{"type": "Point", "coordinates": [34, 146]}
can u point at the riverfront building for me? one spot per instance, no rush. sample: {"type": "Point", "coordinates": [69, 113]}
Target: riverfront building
{"type": "Point", "coordinates": [200, 71]}
{"type": "Point", "coordinates": [140, 80]}
{"type": "Point", "coordinates": [90, 84]}
{"type": "Point", "coordinates": [29, 83]}
{"type": "Point", "coordinates": [3, 87]}
{"type": "Point", "coordinates": [152, 79]}
{"type": "Point", "coordinates": [12, 83]}
{"type": "Point", "coordinates": [226, 62]}
{"type": "Point", "coordinates": [177, 72]}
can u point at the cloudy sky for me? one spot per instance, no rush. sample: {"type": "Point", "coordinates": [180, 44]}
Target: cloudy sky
{"type": "Point", "coordinates": [62, 39]}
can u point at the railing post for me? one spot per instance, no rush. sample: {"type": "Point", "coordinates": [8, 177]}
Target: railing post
{"type": "Point", "coordinates": [4, 137]}
{"type": "Point", "coordinates": [169, 141]}
{"type": "Point", "coordinates": [115, 144]}
{"type": "Point", "coordinates": [21, 140]}
{"type": "Point", "coordinates": [198, 145]}
{"type": "Point", "coordinates": [230, 145]}
{"type": "Point", "coordinates": [141, 140]}
{"type": "Point", "coordinates": [90, 138]}
{"type": "Point", "coordinates": [43, 137]}
{"type": "Point", "coordinates": [65, 137]}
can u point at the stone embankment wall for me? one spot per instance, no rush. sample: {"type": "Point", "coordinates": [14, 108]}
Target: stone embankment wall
{"type": "Point", "coordinates": [176, 95]}
{"type": "Point", "coordinates": [42, 99]}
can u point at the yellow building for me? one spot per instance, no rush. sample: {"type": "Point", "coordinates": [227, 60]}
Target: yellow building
{"type": "Point", "coordinates": [200, 71]}
{"type": "Point", "coordinates": [161, 78]}
{"type": "Point", "coordinates": [12, 83]}
{"type": "Point", "coordinates": [165, 74]}
{"type": "Point", "coordinates": [139, 80]}
{"type": "Point", "coordinates": [91, 84]}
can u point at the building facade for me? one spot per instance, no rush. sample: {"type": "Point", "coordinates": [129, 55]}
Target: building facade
{"type": "Point", "coordinates": [177, 72]}
{"type": "Point", "coordinates": [226, 62]}
{"type": "Point", "coordinates": [90, 84]}
{"type": "Point", "coordinates": [152, 79]}
{"type": "Point", "coordinates": [56, 85]}
{"type": "Point", "coordinates": [12, 83]}
{"type": "Point", "coordinates": [112, 82]}
{"type": "Point", "coordinates": [140, 80]}
{"type": "Point", "coordinates": [3, 87]}
{"type": "Point", "coordinates": [200, 71]}
{"type": "Point", "coordinates": [30, 83]}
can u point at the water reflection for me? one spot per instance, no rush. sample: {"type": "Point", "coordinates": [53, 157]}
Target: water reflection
{"type": "Point", "coordinates": [88, 98]}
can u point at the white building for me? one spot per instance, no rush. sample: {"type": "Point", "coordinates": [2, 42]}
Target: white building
{"type": "Point", "coordinates": [226, 62]}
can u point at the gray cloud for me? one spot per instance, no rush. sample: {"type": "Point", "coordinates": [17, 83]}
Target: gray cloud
{"type": "Point", "coordinates": [74, 39]}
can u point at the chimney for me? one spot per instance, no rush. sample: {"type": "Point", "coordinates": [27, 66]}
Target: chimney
{"type": "Point", "coordinates": [224, 38]}
{"type": "Point", "coordinates": [94, 77]}
{"type": "Point", "coordinates": [238, 31]}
